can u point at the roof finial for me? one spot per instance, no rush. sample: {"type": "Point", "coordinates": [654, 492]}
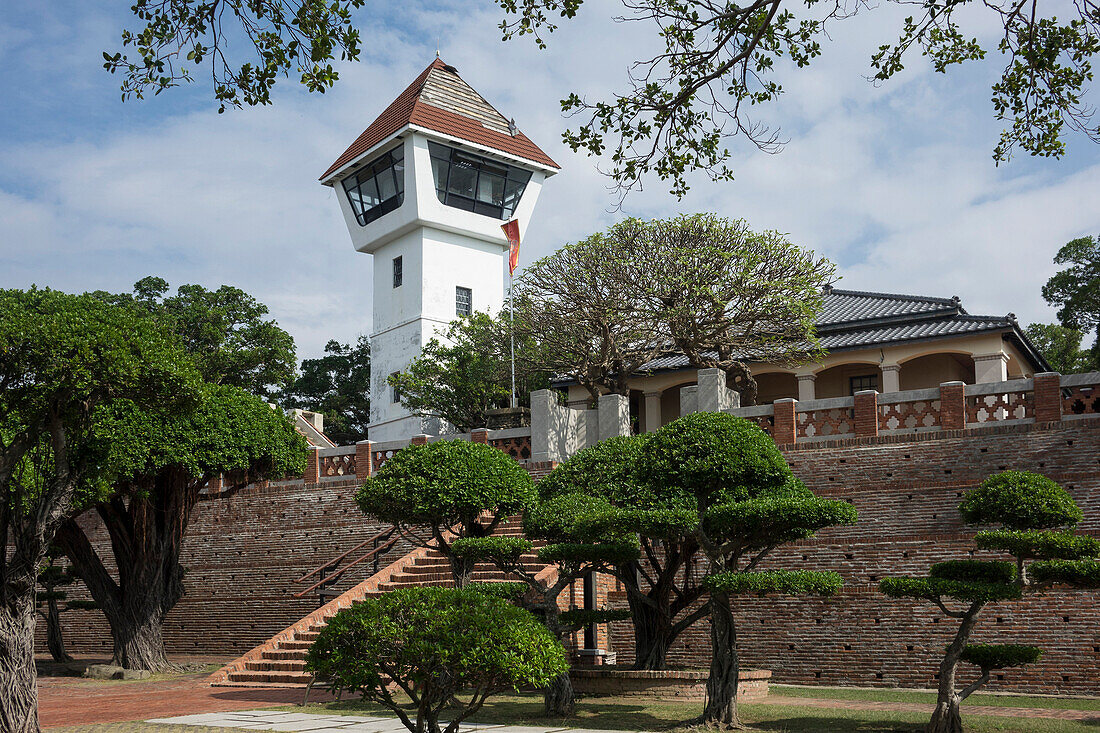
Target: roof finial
{"type": "Point", "coordinates": [512, 129]}
{"type": "Point", "coordinates": [437, 48]}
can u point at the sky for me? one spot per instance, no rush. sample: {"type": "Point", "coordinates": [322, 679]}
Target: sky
{"type": "Point", "coordinates": [895, 183]}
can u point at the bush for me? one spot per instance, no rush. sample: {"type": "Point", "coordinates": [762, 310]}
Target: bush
{"type": "Point", "coordinates": [981, 571]}
{"type": "Point", "coordinates": [604, 470]}
{"type": "Point", "coordinates": [1020, 500]}
{"type": "Point", "coordinates": [731, 457]}
{"type": "Point", "coordinates": [509, 591]}
{"type": "Point", "coordinates": [1000, 656]}
{"type": "Point", "coordinates": [935, 588]}
{"type": "Point", "coordinates": [434, 643]}
{"type": "Point", "coordinates": [1078, 573]}
{"type": "Point", "coordinates": [445, 483]}
{"type": "Point", "coordinates": [1038, 544]}
{"type": "Point", "coordinates": [789, 582]}
{"type": "Point", "coordinates": [487, 548]}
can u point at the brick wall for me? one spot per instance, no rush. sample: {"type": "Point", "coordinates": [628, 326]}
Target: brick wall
{"type": "Point", "coordinates": [243, 553]}
{"type": "Point", "coordinates": [906, 489]}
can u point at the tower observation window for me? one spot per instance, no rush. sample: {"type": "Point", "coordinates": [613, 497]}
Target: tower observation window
{"type": "Point", "coordinates": [378, 187]}
{"type": "Point", "coordinates": [474, 183]}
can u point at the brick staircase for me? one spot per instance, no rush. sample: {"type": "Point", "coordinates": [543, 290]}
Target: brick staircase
{"type": "Point", "coordinates": [280, 661]}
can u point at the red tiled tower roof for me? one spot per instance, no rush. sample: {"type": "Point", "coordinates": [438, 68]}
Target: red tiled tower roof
{"type": "Point", "coordinates": [440, 100]}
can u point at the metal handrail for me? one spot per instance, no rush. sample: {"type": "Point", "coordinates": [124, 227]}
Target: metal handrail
{"type": "Point", "coordinates": [387, 541]}
{"type": "Point", "coordinates": [338, 559]}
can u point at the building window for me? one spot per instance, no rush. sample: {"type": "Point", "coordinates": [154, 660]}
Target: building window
{"type": "Point", "coordinates": [378, 187]}
{"type": "Point", "coordinates": [395, 392]}
{"type": "Point", "coordinates": [473, 183]}
{"type": "Point", "coordinates": [858, 384]}
{"type": "Point", "coordinates": [397, 272]}
{"type": "Point", "coordinates": [464, 301]}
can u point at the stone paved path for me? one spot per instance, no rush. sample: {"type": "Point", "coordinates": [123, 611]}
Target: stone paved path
{"type": "Point", "coordinates": [290, 722]}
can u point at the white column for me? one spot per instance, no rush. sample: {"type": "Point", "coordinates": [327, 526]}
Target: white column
{"type": "Point", "coordinates": [807, 387]}
{"type": "Point", "coordinates": [614, 415]}
{"type": "Point", "coordinates": [991, 367]}
{"type": "Point", "coordinates": [652, 412]}
{"type": "Point", "coordinates": [891, 378]}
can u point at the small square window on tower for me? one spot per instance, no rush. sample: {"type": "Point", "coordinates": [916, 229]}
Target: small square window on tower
{"type": "Point", "coordinates": [397, 272]}
{"type": "Point", "coordinates": [396, 393]}
{"type": "Point", "coordinates": [464, 301]}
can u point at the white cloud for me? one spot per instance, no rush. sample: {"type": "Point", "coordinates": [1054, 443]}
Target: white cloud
{"type": "Point", "coordinates": [895, 183]}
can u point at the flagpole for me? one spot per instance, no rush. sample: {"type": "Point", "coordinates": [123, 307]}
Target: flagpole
{"type": "Point", "coordinates": [512, 333]}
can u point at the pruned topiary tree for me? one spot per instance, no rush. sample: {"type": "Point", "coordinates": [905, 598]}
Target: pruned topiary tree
{"type": "Point", "coordinates": [435, 645]}
{"type": "Point", "coordinates": [662, 590]}
{"type": "Point", "coordinates": [1036, 518]}
{"type": "Point", "coordinates": [446, 490]}
{"type": "Point", "coordinates": [726, 485]}
{"type": "Point", "coordinates": [571, 553]}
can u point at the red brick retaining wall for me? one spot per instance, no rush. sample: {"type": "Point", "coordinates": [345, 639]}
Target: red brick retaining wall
{"type": "Point", "coordinates": [906, 489]}
{"type": "Point", "coordinates": [243, 553]}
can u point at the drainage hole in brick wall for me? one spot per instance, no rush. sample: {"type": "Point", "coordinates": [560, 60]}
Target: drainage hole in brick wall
{"type": "Point", "coordinates": [907, 455]}
{"type": "Point", "coordinates": [1066, 619]}
{"type": "Point", "coordinates": [905, 554]}
{"type": "Point", "coordinates": [878, 675]}
{"type": "Point", "coordinates": [1000, 619]}
{"type": "Point", "coordinates": [874, 578]}
{"type": "Point", "coordinates": [909, 647]}
{"type": "Point", "coordinates": [933, 516]}
{"type": "Point", "coordinates": [804, 558]}
{"type": "Point", "coordinates": [909, 497]}
{"type": "Point", "coordinates": [1065, 678]}
{"type": "Point", "coordinates": [849, 556]}
{"type": "Point", "coordinates": [790, 647]}
{"type": "Point", "coordinates": [1069, 442]}
{"type": "Point", "coordinates": [847, 647]}
{"type": "Point", "coordinates": [947, 471]}
{"type": "Point", "coordinates": [1000, 677]}
{"type": "Point", "coordinates": [984, 450]}
{"type": "Point", "coordinates": [817, 675]}
{"type": "Point", "coordinates": [878, 621]}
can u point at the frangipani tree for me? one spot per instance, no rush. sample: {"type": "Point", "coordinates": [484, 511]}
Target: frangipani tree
{"type": "Point", "coordinates": [447, 490]}
{"type": "Point", "coordinates": [1036, 518]}
{"type": "Point", "coordinates": [571, 554]}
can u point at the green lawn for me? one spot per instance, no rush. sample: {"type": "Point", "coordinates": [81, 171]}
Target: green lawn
{"type": "Point", "coordinates": [882, 695]}
{"type": "Point", "coordinates": [660, 715]}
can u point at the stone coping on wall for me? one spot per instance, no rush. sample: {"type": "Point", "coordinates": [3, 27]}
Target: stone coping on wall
{"type": "Point", "coordinates": [683, 684]}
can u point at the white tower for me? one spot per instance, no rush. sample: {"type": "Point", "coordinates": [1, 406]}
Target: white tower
{"type": "Point", "coordinates": [425, 190]}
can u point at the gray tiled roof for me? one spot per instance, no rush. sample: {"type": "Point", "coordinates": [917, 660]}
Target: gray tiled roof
{"type": "Point", "coordinates": [845, 306]}
{"type": "Point", "coordinates": [852, 319]}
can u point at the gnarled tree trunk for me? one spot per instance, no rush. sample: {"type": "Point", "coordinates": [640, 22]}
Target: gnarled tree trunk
{"type": "Point", "coordinates": [18, 678]}
{"type": "Point", "coordinates": [558, 699]}
{"type": "Point", "coordinates": [652, 634]}
{"type": "Point", "coordinates": [947, 718]}
{"type": "Point", "coordinates": [55, 641]}
{"type": "Point", "coordinates": [721, 707]}
{"type": "Point", "coordinates": [146, 539]}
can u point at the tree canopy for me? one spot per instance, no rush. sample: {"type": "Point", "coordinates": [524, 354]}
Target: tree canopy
{"type": "Point", "coordinates": [447, 649]}
{"type": "Point", "coordinates": [159, 463]}
{"type": "Point", "coordinates": [702, 286]}
{"type": "Point", "coordinates": [63, 358]}
{"type": "Point", "coordinates": [1075, 290]}
{"type": "Point", "coordinates": [467, 372]}
{"type": "Point", "coordinates": [224, 330]}
{"type": "Point", "coordinates": [1061, 347]}
{"type": "Point", "coordinates": [721, 64]}
{"type": "Point", "coordinates": [1033, 519]}
{"type": "Point", "coordinates": [337, 385]}
{"type": "Point", "coordinates": [440, 491]}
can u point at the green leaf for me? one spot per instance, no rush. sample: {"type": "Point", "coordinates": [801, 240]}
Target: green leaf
{"type": "Point", "coordinates": [790, 582]}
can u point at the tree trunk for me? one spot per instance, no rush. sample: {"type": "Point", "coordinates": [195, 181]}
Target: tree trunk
{"type": "Point", "coordinates": [18, 678]}
{"type": "Point", "coordinates": [558, 699]}
{"type": "Point", "coordinates": [55, 642]}
{"type": "Point", "coordinates": [139, 640]}
{"type": "Point", "coordinates": [721, 707]}
{"type": "Point", "coordinates": [946, 718]}
{"type": "Point", "coordinates": [652, 635]}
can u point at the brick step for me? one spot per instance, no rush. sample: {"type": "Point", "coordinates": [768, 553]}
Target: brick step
{"type": "Point", "coordinates": [278, 654]}
{"type": "Point", "coordinates": [295, 644]}
{"type": "Point", "coordinates": [283, 678]}
{"type": "Point", "coordinates": [284, 665]}
{"type": "Point", "coordinates": [307, 635]}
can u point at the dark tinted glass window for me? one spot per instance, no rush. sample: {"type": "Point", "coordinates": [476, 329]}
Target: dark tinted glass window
{"type": "Point", "coordinates": [858, 384]}
{"type": "Point", "coordinates": [378, 187]}
{"type": "Point", "coordinates": [473, 183]}
{"type": "Point", "coordinates": [397, 272]}
{"type": "Point", "coordinates": [464, 301]}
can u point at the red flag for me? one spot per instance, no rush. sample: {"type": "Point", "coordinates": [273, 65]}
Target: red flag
{"type": "Point", "coordinates": [511, 230]}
